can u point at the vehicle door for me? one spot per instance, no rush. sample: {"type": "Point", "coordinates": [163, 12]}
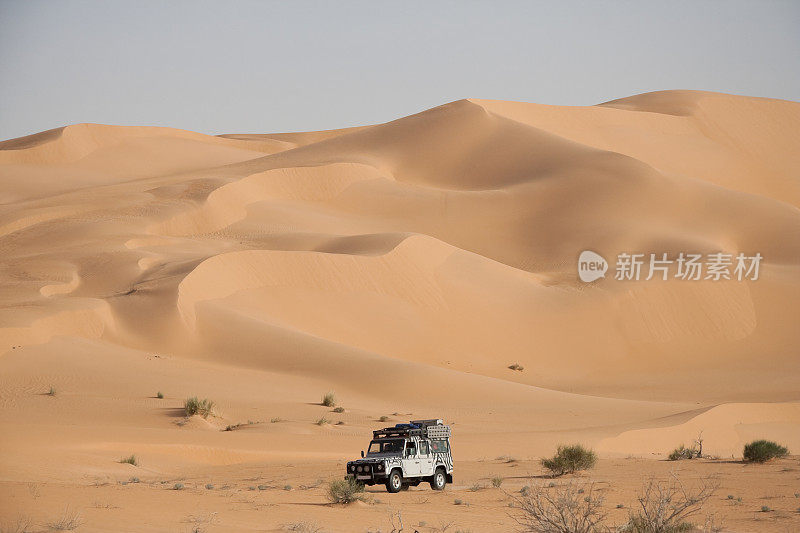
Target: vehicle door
{"type": "Point", "coordinates": [425, 458]}
{"type": "Point", "coordinates": [411, 467]}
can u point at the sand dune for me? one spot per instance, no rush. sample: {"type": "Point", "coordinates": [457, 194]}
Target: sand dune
{"type": "Point", "coordinates": [405, 265]}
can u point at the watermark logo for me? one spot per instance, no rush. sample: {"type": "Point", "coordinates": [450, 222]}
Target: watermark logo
{"type": "Point", "coordinates": [591, 266]}
{"type": "Point", "coordinates": [685, 266]}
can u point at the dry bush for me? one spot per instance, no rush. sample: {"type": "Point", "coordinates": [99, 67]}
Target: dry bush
{"type": "Point", "coordinates": [569, 508]}
{"type": "Point", "coordinates": [345, 490]}
{"type": "Point", "coordinates": [194, 406]}
{"type": "Point", "coordinates": [329, 400]}
{"type": "Point", "coordinates": [68, 521]}
{"type": "Point", "coordinates": [682, 452]}
{"type": "Point", "coordinates": [570, 459]}
{"type": "Point", "coordinates": [665, 506]}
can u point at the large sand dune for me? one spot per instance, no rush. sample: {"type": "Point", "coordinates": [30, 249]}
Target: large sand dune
{"type": "Point", "coordinates": [405, 265]}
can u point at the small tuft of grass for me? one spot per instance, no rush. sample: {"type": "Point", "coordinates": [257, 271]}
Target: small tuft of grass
{"type": "Point", "coordinates": [765, 508]}
{"type": "Point", "coordinates": [329, 400]}
{"type": "Point", "coordinates": [761, 451]}
{"type": "Point", "coordinates": [620, 506]}
{"type": "Point", "coordinates": [345, 490]}
{"type": "Point", "coordinates": [322, 421]}
{"type": "Point", "coordinates": [287, 487]}
{"type": "Point", "coordinates": [131, 460]}
{"type": "Point", "coordinates": [194, 406]}
{"type": "Point", "coordinates": [497, 481]}
{"type": "Point", "coordinates": [517, 367]}
{"type": "Point", "coordinates": [458, 502]}
{"type": "Point", "coordinates": [263, 487]}
{"type": "Point", "coordinates": [251, 488]}
{"type": "Point", "coordinates": [338, 409]}
{"type": "Point", "coordinates": [681, 452]}
{"type": "Point", "coordinates": [51, 391]}
{"type": "Point", "coordinates": [134, 480]}
{"type": "Point", "coordinates": [384, 418]}
{"type": "Point", "coordinates": [209, 486]}
{"type": "Point", "coordinates": [178, 486]}
{"type": "Point", "coordinates": [275, 420]}
{"type": "Point", "coordinates": [160, 395]}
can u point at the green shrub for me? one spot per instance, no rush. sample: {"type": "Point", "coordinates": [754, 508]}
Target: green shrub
{"type": "Point", "coordinates": [338, 410]}
{"type": "Point", "coordinates": [345, 490]}
{"type": "Point", "coordinates": [765, 509]}
{"type": "Point", "coordinates": [194, 406]}
{"type": "Point", "coordinates": [497, 481]}
{"type": "Point", "coordinates": [52, 391]}
{"type": "Point", "coordinates": [329, 400]}
{"type": "Point", "coordinates": [761, 451]}
{"type": "Point", "coordinates": [160, 395]}
{"type": "Point", "coordinates": [131, 460]}
{"type": "Point", "coordinates": [682, 452]}
{"type": "Point", "coordinates": [384, 418]}
{"type": "Point", "coordinates": [178, 486]}
{"type": "Point", "coordinates": [209, 486]}
{"type": "Point", "coordinates": [322, 421]}
{"type": "Point", "coordinates": [275, 420]}
{"type": "Point", "coordinates": [569, 459]}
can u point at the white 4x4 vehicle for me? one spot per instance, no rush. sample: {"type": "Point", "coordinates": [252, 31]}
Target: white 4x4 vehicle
{"type": "Point", "coordinates": [406, 455]}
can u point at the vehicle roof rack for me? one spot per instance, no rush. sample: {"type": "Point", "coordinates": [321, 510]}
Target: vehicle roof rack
{"type": "Point", "coordinates": [432, 428]}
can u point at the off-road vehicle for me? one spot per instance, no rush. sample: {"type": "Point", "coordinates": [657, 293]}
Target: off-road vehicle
{"type": "Point", "coordinates": [406, 455]}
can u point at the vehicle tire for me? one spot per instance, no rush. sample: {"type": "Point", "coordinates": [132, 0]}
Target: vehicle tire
{"type": "Point", "coordinates": [405, 486]}
{"type": "Point", "coordinates": [394, 483]}
{"type": "Point", "coordinates": [439, 479]}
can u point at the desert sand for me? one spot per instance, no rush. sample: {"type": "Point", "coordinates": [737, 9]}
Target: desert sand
{"type": "Point", "coordinates": [404, 266]}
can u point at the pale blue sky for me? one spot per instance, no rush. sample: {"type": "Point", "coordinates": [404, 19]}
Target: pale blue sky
{"type": "Point", "coordinates": [258, 67]}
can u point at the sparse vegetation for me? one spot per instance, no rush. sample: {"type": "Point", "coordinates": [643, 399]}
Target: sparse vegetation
{"type": "Point", "coordinates": [160, 395]}
{"type": "Point", "coordinates": [570, 459]}
{"type": "Point", "coordinates": [51, 391]}
{"type": "Point", "coordinates": [178, 486]}
{"type": "Point", "coordinates": [209, 486]}
{"type": "Point", "coordinates": [303, 527]}
{"type": "Point", "coordinates": [338, 409]}
{"type": "Point", "coordinates": [497, 481]}
{"type": "Point", "coordinates": [131, 460]}
{"type": "Point", "coordinates": [384, 418]}
{"type": "Point", "coordinates": [665, 506]}
{"type": "Point", "coordinates": [287, 487]}
{"type": "Point", "coordinates": [765, 509]}
{"type": "Point", "coordinates": [682, 452]}
{"type": "Point", "coordinates": [458, 502]}
{"type": "Point", "coordinates": [194, 406]}
{"type": "Point", "coordinates": [262, 487]}
{"type": "Point", "coordinates": [560, 510]}
{"type": "Point", "coordinates": [68, 521]}
{"type": "Point", "coordinates": [322, 421]}
{"type": "Point", "coordinates": [345, 490]}
{"type": "Point", "coordinates": [516, 366]}
{"type": "Point", "coordinates": [275, 420]}
{"type": "Point", "coordinates": [761, 451]}
{"type": "Point", "coordinates": [329, 400]}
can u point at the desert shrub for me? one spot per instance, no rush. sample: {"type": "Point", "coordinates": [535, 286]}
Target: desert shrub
{"type": "Point", "coordinates": [345, 490]}
{"type": "Point", "coordinates": [51, 391]}
{"type": "Point", "coordinates": [761, 451]}
{"type": "Point", "coordinates": [517, 367]}
{"type": "Point", "coordinates": [383, 419]}
{"type": "Point", "coordinates": [329, 400]}
{"type": "Point", "coordinates": [322, 421]}
{"type": "Point", "coordinates": [338, 409]}
{"type": "Point", "coordinates": [765, 508]}
{"type": "Point", "coordinates": [560, 510]}
{"type": "Point", "coordinates": [209, 486]}
{"type": "Point", "coordinates": [131, 460]}
{"type": "Point", "coordinates": [194, 406]}
{"type": "Point", "coordinates": [682, 452]}
{"type": "Point", "coordinates": [665, 506]}
{"type": "Point", "coordinates": [497, 481]}
{"type": "Point", "coordinates": [287, 487]}
{"type": "Point", "coordinates": [68, 521]}
{"type": "Point", "coordinates": [263, 487]}
{"type": "Point", "coordinates": [178, 486]}
{"type": "Point", "coordinates": [160, 395]}
{"type": "Point", "coordinates": [569, 459]}
{"type": "Point", "coordinates": [458, 502]}
{"type": "Point", "coordinates": [275, 420]}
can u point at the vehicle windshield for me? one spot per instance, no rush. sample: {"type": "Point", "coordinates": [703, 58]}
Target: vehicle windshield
{"type": "Point", "coordinates": [385, 446]}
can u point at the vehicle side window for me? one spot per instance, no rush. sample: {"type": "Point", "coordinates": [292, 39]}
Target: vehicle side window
{"type": "Point", "coordinates": [439, 446]}
{"type": "Point", "coordinates": [411, 448]}
{"type": "Point", "coordinates": [423, 448]}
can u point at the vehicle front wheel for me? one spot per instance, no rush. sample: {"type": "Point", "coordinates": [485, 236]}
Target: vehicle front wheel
{"type": "Point", "coordinates": [395, 482]}
{"type": "Point", "coordinates": [439, 479]}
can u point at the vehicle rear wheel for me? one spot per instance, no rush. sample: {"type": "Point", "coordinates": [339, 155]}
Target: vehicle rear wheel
{"type": "Point", "coordinates": [405, 486]}
{"type": "Point", "coordinates": [394, 483]}
{"type": "Point", "coordinates": [439, 480]}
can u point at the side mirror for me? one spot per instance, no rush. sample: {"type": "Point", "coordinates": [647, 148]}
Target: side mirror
{"type": "Point", "coordinates": [362, 454]}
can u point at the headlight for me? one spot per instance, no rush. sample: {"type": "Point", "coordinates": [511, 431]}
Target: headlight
{"type": "Point", "coordinates": [360, 469]}
{"type": "Point", "coordinates": [366, 468]}
{"type": "Point", "coordinates": [351, 468]}
{"type": "Point", "coordinates": [380, 466]}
